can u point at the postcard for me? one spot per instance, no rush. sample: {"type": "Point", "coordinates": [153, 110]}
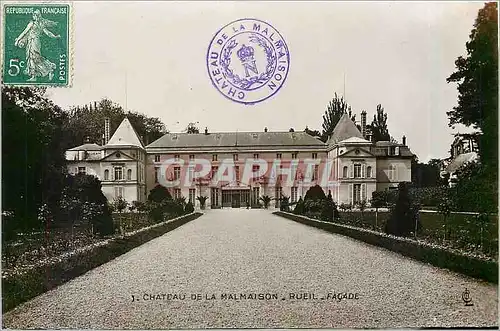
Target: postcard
{"type": "Point", "coordinates": [262, 165]}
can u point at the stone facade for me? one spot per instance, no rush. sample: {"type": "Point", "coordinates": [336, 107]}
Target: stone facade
{"type": "Point", "coordinates": [348, 165]}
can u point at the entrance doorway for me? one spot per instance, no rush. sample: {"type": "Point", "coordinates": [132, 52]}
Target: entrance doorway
{"type": "Point", "coordinates": [235, 198]}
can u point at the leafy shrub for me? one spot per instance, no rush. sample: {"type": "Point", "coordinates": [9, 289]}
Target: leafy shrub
{"type": "Point", "coordinates": [315, 193]}
{"type": "Point", "coordinates": [202, 200]}
{"type": "Point", "coordinates": [403, 215]}
{"type": "Point", "coordinates": [189, 208]}
{"type": "Point", "coordinates": [379, 199]}
{"type": "Point", "coordinates": [265, 200]}
{"type": "Point", "coordinates": [139, 206]}
{"type": "Point", "coordinates": [299, 207]}
{"type": "Point", "coordinates": [156, 211]}
{"type": "Point", "coordinates": [120, 204]}
{"type": "Point", "coordinates": [82, 200]}
{"type": "Point", "coordinates": [362, 207]}
{"type": "Point", "coordinates": [313, 206]}
{"type": "Point", "coordinates": [284, 205]}
{"type": "Point", "coordinates": [159, 193]}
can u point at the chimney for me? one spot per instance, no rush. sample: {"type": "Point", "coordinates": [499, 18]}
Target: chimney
{"type": "Point", "coordinates": [363, 124]}
{"type": "Point", "coordinates": [368, 134]}
{"type": "Point", "coordinates": [404, 140]}
{"type": "Point", "coordinates": [106, 130]}
{"type": "Point", "coordinates": [206, 130]}
{"type": "Point", "coordinates": [87, 140]}
{"type": "Point", "coordinates": [265, 129]}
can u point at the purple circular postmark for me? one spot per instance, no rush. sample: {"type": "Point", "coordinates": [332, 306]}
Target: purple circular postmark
{"type": "Point", "coordinates": [248, 61]}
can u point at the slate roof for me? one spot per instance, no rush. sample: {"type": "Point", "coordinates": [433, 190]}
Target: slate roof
{"type": "Point", "coordinates": [237, 139]}
{"type": "Point", "coordinates": [460, 160]}
{"type": "Point", "coordinates": [355, 140]}
{"type": "Point", "coordinates": [86, 147]}
{"type": "Point", "coordinates": [344, 129]}
{"type": "Point", "coordinates": [125, 135]}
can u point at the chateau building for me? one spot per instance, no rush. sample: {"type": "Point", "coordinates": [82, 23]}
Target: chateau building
{"type": "Point", "coordinates": [275, 164]}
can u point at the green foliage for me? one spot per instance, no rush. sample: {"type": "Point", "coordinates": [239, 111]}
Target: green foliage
{"type": "Point", "coordinates": [159, 194]}
{"type": "Point", "coordinates": [120, 204]}
{"type": "Point", "coordinates": [192, 128]}
{"type": "Point", "coordinates": [34, 168]}
{"type": "Point", "coordinates": [202, 200]}
{"type": "Point", "coordinates": [285, 203]}
{"type": "Point", "coordinates": [403, 215]}
{"type": "Point", "coordinates": [477, 78]}
{"type": "Point", "coordinates": [82, 201]}
{"type": "Point", "coordinates": [156, 210]}
{"type": "Point", "coordinates": [140, 206]}
{"type": "Point", "coordinates": [379, 199]}
{"type": "Point", "coordinates": [336, 108]}
{"type": "Point", "coordinates": [329, 211]}
{"type": "Point", "coordinates": [362, 204]}
{"type": "Point", "coordinates": [379, 125]}
{"type": "Point", "coordinates": [425, 175]}
{"type": "Point", "coordinates": [299, 207]}
{"type": "Point", "coordinates": [88, 120]}
{"type": "Point", "coordinates": [189, 208]}
{"type": "Point", "coordinates": [475, 189]}
{"type": "Point", "coordinates": [345, 207]}
{"type": "Point", "coordinates": [429, 196]}
{"type": "Point", "coordinates": [265, 200]}
{"type": "Point", "coordinates": [315, 193]}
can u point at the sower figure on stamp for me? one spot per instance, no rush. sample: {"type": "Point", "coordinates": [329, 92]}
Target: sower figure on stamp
{"type": "Point", "coordinates": [36, 64]}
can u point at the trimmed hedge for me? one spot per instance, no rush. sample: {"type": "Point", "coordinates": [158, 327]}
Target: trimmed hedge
{"type": "Point", "coordinates": [435, 255]}
{"type": "Point", "coordinates": [20, 288]}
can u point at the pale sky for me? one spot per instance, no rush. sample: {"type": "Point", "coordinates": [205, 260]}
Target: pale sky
{"type": "Point", "coordinates": [396, 54]}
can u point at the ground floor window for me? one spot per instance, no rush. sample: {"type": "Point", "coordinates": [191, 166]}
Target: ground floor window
{"type": "Point", "coordinates": [277, 195]}
{"type": "Point", "coordinates": [118, 192]}
{"type": "Point", "coordinates": [255, 195]}
{"type": "Point", "coordinates": [214, 197]}
{"type": "Point", "coordinates": [356, 197]}
{"type": "Point", "coordinates": [192, 195]}
{"type": "Point", "coordinates": [293, 194]}
{"type": "Point", "coordinates": [177, 193]}
{"type": "Point", "coordinates": [82, 170]}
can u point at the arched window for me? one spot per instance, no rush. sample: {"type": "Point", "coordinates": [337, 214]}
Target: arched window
{"type": "Point", "coordinates": [129, 174]}
{"type": "Point", "coordinates": [368, 172]}
{"type": "Point", "coordinates": [344, 172]}
{"type": "Point", "coordinates": [106, 174]}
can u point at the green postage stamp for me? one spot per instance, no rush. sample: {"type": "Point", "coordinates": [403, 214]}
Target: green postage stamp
{"type": "Point", "coordinates": [37, 44]}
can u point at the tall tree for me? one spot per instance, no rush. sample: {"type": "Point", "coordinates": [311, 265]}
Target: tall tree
{"type": "Point", "coordinates": [192, 128]}
{"type": "Point", "coordinates": [85, 121]}
{"type": "Point", "coordinates": [34, 165]}
{"type": "Point", "coordinates": [477, 78]}
{"type": "Point", "coordinates": [334, 111]}
{"type": "Point", "coordinates": [379, 125]}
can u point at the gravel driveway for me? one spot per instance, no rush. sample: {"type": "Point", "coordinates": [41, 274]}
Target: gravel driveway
{"type": "Point", "coordinates": [263, 271]}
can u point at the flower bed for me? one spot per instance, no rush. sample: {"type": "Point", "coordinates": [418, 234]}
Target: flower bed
{"type": "Point", "coordinates": [456, 260]}
{"type": "Point", "coordinates": [31, 281]}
